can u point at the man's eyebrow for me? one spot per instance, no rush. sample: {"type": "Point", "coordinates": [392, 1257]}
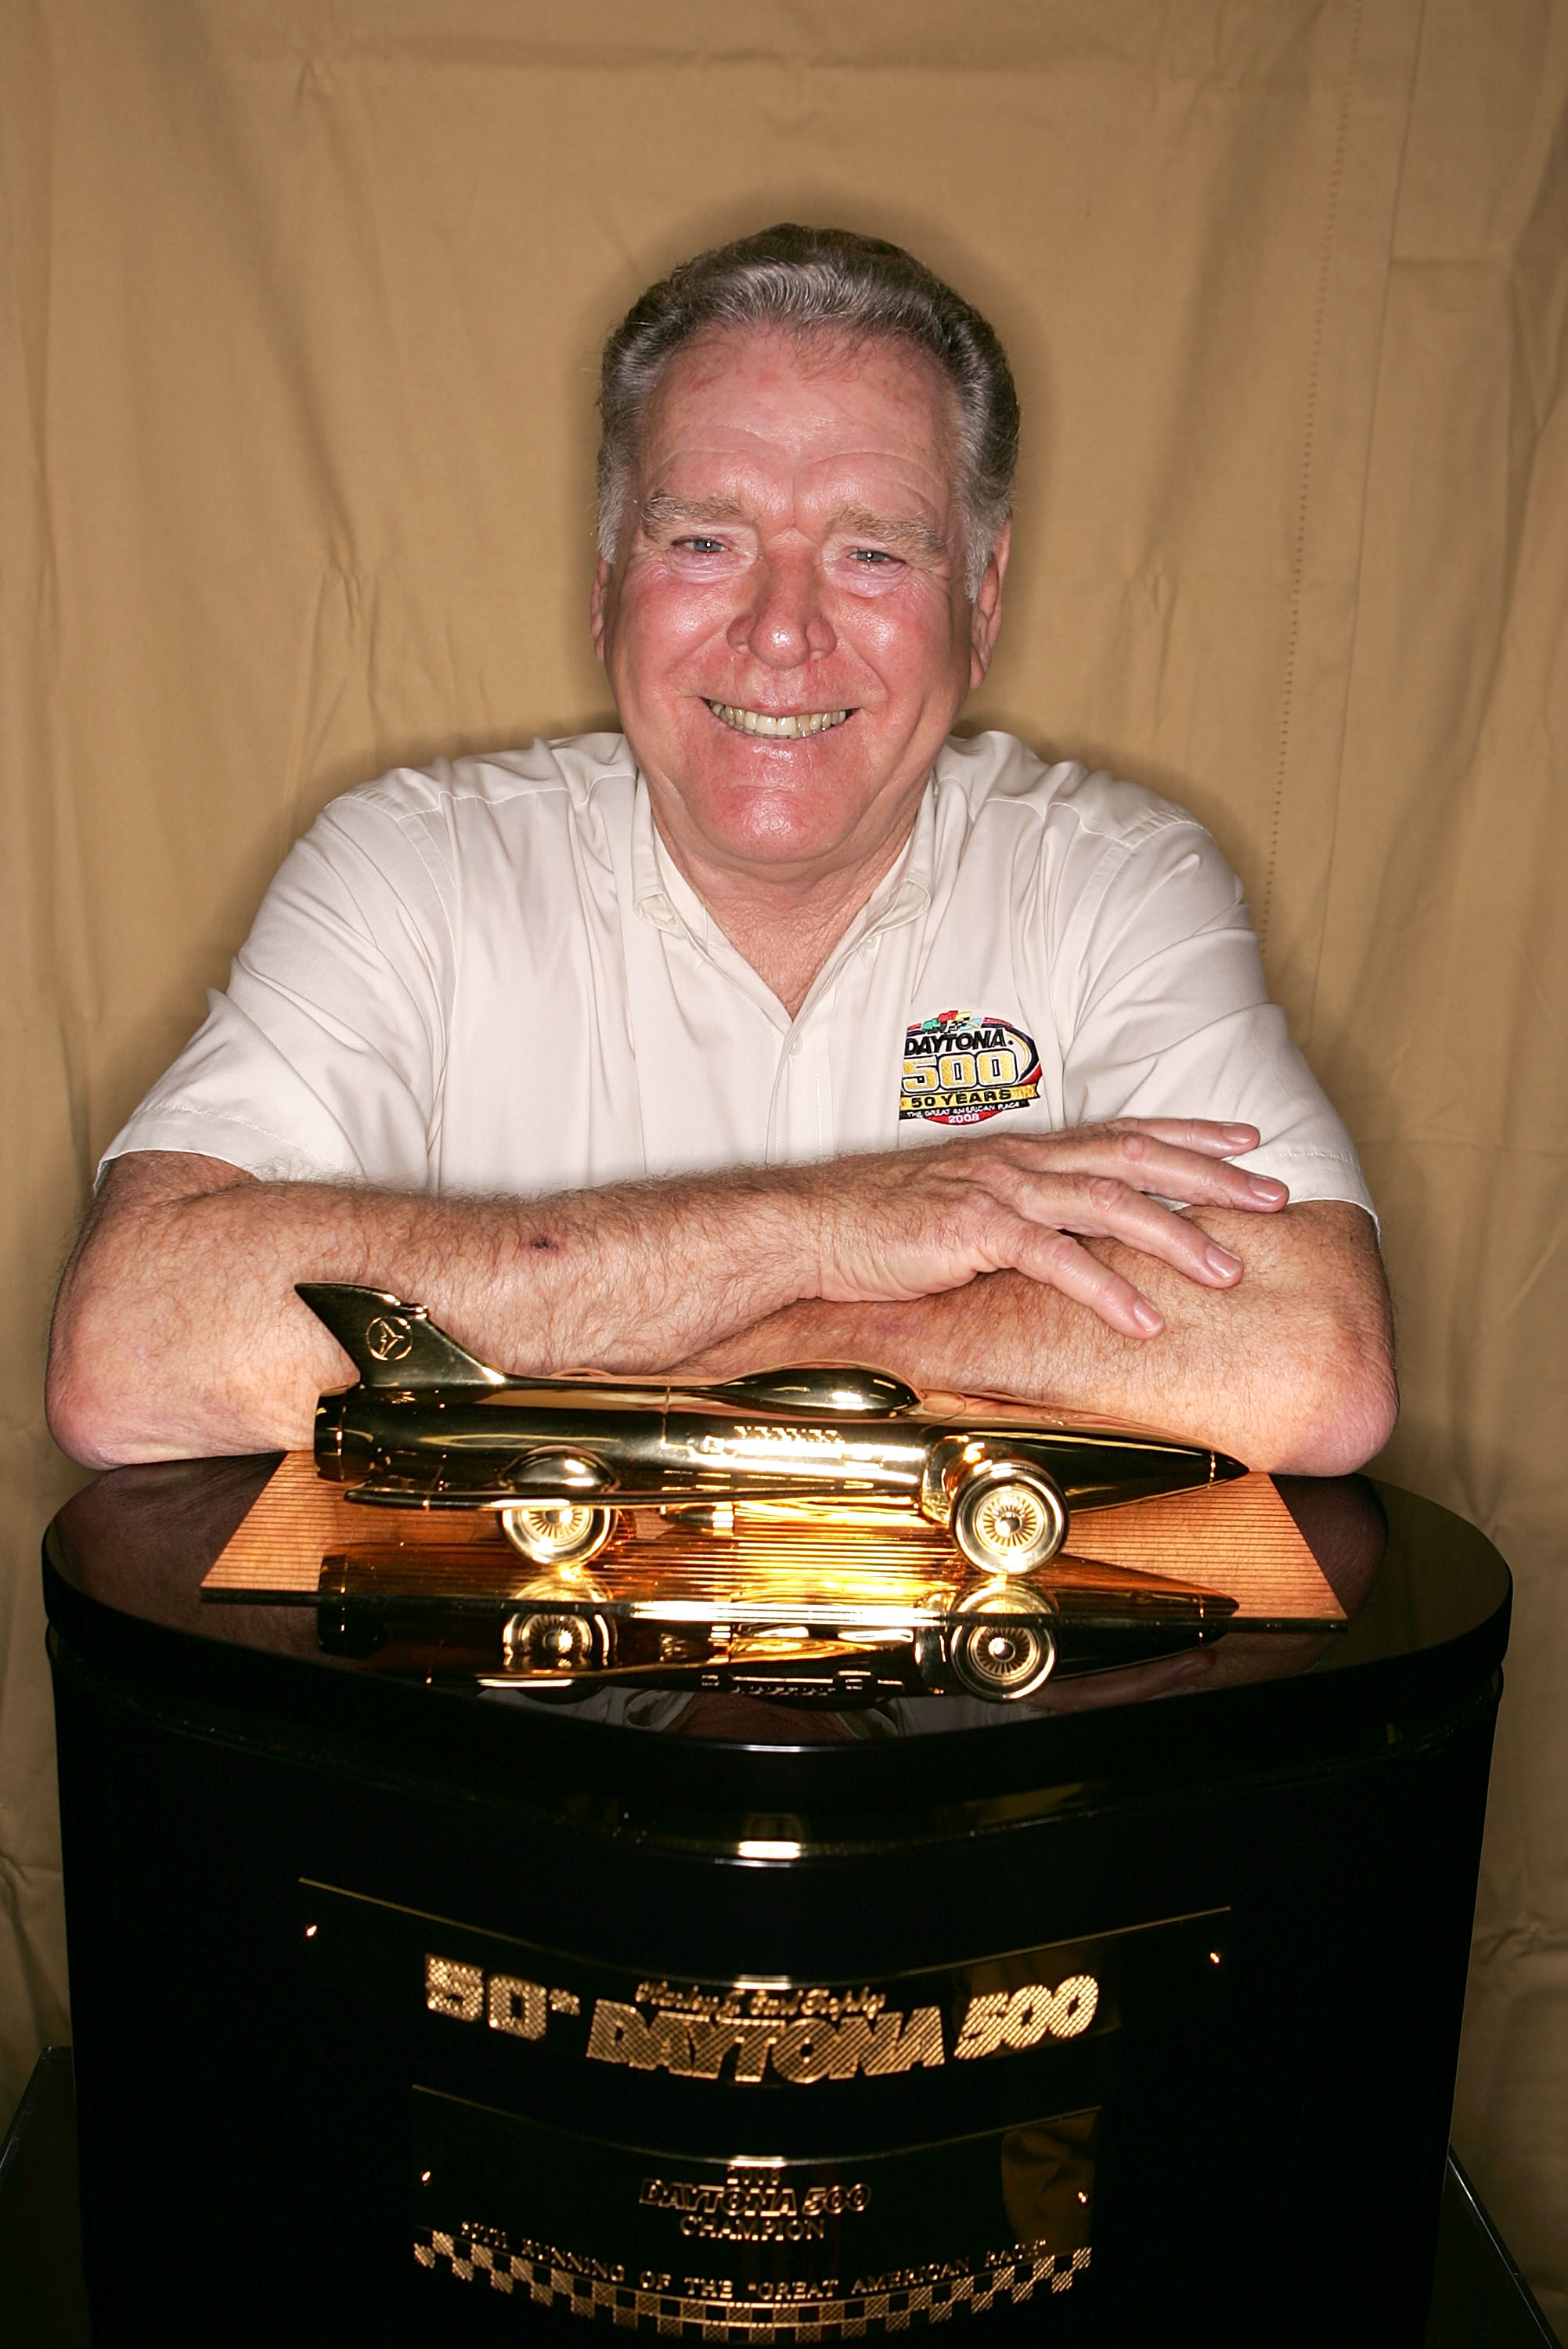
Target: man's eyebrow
{"type": "Point", "coordinates": [892, 530]}
{"type": "Point", "coordinates": [662, 506]}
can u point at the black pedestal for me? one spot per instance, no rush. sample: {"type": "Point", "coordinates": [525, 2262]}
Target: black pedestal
{"type": "Point", "coordinates": [1480, 2300]}
{"type": "Point", "coordinates": [43, 2297]}
{"type": "Point", "coordinates": [503, 2088]}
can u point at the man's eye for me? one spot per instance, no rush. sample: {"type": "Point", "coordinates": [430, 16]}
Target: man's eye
{"type": "Point", "coordinates": [873, 558]}
{"type": "Point", "coordinates": [701, 546]}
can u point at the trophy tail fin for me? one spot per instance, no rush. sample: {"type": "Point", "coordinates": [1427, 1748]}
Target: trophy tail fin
{"type": "Point", "coordinates": [392, 1343]}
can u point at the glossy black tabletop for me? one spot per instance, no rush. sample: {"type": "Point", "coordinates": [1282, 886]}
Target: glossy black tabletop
{"type": "Point", "coordinates": [1426, 1596]}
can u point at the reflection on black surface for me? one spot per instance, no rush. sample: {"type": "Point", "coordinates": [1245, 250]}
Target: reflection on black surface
{"type": "Point", "coordinates": [140, 1540]}
{"type": "Point", "coordinates": [1342, 1521]}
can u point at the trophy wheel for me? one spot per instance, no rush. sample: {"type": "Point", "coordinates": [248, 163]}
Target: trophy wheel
{"type": "Point", "coordinates": [1003, 1659]}
{"type": "Point", "coordinates": [1008, 1520]}
{"type": "Point", "coordinates": [556, 1639]}
{"type": "Point", "coordinates": [557, 1533]}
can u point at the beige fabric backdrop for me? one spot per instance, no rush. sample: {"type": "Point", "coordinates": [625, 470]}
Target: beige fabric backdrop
{"type": "Point", "coordinates": [300, 302]}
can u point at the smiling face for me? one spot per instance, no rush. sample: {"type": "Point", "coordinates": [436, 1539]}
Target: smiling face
{"type": "Point", "coordinates": [785, 626]}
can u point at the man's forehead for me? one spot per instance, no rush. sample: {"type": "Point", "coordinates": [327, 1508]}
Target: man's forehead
{"type": "Point", "coordinates": [864, 431]}
{"type": "Point", "coordinates": [750, 384]}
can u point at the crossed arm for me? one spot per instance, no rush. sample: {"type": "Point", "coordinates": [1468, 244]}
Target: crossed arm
{"type": "Point", "coordinates": [1047, 1266]}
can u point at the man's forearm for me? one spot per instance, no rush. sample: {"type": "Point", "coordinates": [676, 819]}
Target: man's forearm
{"type": "Point", "coordinates": [178, 1331]}
{"type": "Point", "coordinates": [1290, 1369]}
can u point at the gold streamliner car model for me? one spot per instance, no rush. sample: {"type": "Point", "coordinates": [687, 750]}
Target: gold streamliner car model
{"type": "Point", "coordinates": [828, 1511]}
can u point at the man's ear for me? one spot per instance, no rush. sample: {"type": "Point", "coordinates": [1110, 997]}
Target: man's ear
{"type": "Point", "coordinates": [985, 615]}
{"type": "Point", "coordinates": [596, 606]}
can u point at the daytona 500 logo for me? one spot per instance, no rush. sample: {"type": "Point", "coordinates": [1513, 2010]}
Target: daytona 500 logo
{"type": "Point", "coordinates": [961, 1067]}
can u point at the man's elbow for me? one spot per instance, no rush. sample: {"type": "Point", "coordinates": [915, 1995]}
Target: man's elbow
{"type": "Point", "coordinates": [1340, 1409]}
{"type": "Point", "coordinates": [98, 1403]}
{"type": "Point", "coordinates": [83, 1433]}
{"type": "Point", "coordinates": [84, 1401]}
{"type": "Point", "coordinates": [77, 1423]}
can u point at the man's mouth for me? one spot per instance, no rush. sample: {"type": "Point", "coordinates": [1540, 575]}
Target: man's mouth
{"type": "Point", "coordinates": [790, 727]}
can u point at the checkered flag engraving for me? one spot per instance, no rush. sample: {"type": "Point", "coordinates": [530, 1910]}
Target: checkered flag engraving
{"type": "Point", "coordinates": [472, 2257]}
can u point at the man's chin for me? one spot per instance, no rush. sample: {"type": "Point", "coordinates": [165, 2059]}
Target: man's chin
{"type": "Point", "coordinates": [779, 810]}
{"type": "Point", "coordinates": [768, 834]}
{"type": "Point", "coordinates": [775, 845]}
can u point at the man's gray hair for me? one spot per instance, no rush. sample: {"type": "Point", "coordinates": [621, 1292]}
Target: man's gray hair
{"type": "Point", "coordinates": [815, 282]}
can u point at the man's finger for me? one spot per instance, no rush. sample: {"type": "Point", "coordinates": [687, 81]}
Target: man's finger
{"type": "Point", "coordinates": [1103, 1208]}
{"type": "Point", "coordinates": [1058, 1261]}
{"type": "Point", "coordinates": [1211, 1136]}
{"type": "Point", "coordinates": [1147, 1165]}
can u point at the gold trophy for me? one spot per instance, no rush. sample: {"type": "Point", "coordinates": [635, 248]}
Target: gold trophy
{"type": "Point", "coordinates": [816, 1521]}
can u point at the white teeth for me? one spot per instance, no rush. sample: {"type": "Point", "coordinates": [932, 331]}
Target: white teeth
{"type": "Point", "coordinates": [787, 729]}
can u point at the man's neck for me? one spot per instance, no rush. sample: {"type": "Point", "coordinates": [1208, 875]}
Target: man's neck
{"type": "Point", "coordinates": [786, 928]}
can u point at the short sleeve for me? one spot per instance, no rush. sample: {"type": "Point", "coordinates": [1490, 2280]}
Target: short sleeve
{"type": "Point", "coordinates": [1168, 1012]}
{"type": "Point", "coordinates": [321, 1059]}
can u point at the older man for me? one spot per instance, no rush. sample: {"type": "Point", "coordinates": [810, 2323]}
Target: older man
{"type": "Point", "coordinates": [783, 1026]}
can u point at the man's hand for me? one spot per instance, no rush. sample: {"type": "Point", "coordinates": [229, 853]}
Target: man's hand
{"type": "Point", "coordinates": [915, 1222]}
{"type": "Point", "coordinates": [1290, 1367]}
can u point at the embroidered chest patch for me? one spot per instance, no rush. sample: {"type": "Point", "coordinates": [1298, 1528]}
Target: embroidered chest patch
{"type": "Point", "coordinates": [965, 1066]}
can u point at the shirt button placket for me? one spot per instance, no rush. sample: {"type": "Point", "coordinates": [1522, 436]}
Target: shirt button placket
{"type": "Point", "coordinates": [808, 1126]}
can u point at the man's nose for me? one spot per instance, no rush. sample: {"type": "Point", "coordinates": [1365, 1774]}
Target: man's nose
{"type": "Point", "coordinates": [783, 622]}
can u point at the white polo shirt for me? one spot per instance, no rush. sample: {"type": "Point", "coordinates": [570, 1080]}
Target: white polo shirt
{"type": "Point", "coordinates": [490, 977]}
